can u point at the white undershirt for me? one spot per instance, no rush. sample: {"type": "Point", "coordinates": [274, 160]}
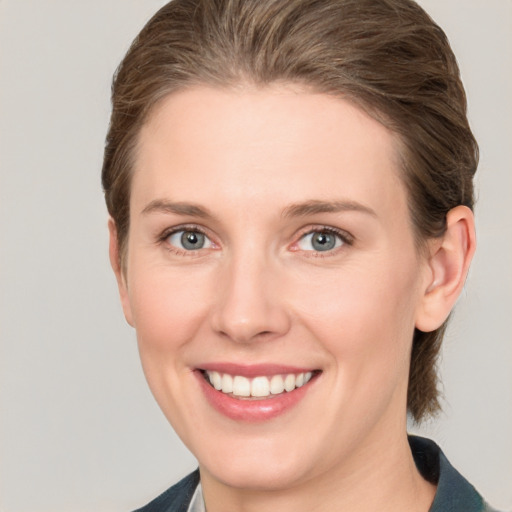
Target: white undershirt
{"type": "Point", "coordinates": [197, 503]}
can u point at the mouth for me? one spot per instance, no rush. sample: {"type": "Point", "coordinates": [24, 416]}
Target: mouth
{"type": "Point", "coordinates": [255, 393]}
{"type": "Point", "coordinates": [258, 387]}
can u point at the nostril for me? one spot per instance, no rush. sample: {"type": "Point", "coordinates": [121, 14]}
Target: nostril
{"type": "Point", "coordinates": [248, 315]}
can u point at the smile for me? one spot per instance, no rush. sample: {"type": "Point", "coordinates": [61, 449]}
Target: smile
{"type": "Point", "coordinates": [255, 393]}
{"type": "Point", "coordinates": [258, 386]}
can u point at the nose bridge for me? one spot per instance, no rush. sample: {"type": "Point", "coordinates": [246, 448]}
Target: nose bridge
{"type": "Point", "coordinates": [249, 306]}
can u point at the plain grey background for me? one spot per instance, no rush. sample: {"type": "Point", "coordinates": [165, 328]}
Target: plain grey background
{"type": "Point", "coordinates": [79, 429]}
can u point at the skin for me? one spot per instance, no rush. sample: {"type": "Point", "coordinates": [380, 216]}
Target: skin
{"type": "Point", "coordinates": [259, 292]}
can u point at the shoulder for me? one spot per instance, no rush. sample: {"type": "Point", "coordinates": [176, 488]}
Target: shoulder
{"type": "Point", "coordinates": [454, 492]}
{"type": "Point", "coordinates": [175, 499]}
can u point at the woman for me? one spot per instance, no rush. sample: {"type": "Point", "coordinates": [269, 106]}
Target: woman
{"type": "Point", "coordinates": [290, 186]}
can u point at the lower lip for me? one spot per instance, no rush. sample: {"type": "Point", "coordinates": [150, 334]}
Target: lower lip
{"type": "Point", "coordinates": [252, 410]}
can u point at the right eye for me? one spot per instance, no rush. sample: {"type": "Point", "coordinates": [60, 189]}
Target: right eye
{"type": "Point", "coordinates": [189, 240]}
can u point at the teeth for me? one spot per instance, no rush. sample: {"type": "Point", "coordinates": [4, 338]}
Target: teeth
{"type": "Point", "coordinates": [216, 380]}
{"type": "Point", "coordinates": [227, 383]}
{"type": "Point", "coordinates": [289, 382]}
{"type": "Point", "coordinates": [276, 384]}
{"type": "Point", "coordinates": [241, 386]}
{"type": "Point", "coordinates": [259, 386]}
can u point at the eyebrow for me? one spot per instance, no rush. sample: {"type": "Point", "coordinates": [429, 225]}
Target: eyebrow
{"type": "Point", "coordinates": [294, 210]}
{"type": "Point", "coordinates": [314, 206]}
{"type": "Point", "coordinates": [164, 206]}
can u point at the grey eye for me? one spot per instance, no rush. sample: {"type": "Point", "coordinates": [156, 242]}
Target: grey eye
{"type": "Point", "coordinates": [320, 241]}
{"type": "Point", "coordinates": [189, 240]}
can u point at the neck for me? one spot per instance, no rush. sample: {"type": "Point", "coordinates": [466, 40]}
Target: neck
{"type": "Point", "coordinates": [382, 476]}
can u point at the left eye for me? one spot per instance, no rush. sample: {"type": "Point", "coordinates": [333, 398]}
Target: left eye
{"type": "Point", "coordinates": [320, 241]}
{"type": "Point", "coordinates": [189, 240]}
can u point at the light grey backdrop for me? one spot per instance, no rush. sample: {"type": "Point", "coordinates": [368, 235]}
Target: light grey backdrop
{"type": "Point", "coordinates": [79, 430]}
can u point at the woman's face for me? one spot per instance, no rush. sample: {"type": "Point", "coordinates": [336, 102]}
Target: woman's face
{"type": "Point", "coordinates": [270, 246]}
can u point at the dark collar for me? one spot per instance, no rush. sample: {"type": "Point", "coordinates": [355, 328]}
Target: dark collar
{"type": "Point", "coordinates": [454, 492]}
{"type": "Point", "coordinates": [175, 499]}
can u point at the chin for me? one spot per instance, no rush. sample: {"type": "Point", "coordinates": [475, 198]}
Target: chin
{"type": "Point", "coordinates": [264, 476]}
{"type": "Point", "coordinates": [257, 466]}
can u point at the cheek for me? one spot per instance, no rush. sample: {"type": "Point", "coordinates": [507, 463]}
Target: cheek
{"type": "Point", "coordinates": [363, 316]}
{"type": "Point", "coordinates": [168, 307]}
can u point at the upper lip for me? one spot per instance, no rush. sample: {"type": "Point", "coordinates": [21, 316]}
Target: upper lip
{"type": "Point", "coordinates": [254, 370]}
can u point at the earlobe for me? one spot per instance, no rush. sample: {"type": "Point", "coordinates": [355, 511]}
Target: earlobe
{"type": "Point", "coordinates": [115, 262]}
{"type": "Point", "coordinates": [448, 265]}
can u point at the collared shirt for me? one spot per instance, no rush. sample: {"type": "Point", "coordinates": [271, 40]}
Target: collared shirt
{"type": "Point", "coordinates": [197, 503]}
{"type": "Point", "coordinates": [454, 493]}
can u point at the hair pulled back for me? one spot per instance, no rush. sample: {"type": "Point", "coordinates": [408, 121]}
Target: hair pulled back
{"type": "Point", "coordinates": [386, 56]}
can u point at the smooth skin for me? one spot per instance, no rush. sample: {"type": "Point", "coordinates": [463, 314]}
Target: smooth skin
{"type": "Point", "coordinates": [259, 173]}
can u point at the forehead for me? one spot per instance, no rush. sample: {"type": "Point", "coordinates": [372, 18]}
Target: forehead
{"type": "Point", "coordinates": [277, 143]}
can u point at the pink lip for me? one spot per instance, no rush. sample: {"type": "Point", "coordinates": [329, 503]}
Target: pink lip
{"type": "Point", "coordinates": [251, 410]}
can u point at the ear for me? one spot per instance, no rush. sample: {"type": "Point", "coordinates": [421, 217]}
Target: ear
{"type": "Point", "coordinates": [115, 262]}
{"type": "Point", "coordinates": [448, 266]}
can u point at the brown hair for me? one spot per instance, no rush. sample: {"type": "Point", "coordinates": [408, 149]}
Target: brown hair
{"type": "Point", "coordinates": [386, 56]}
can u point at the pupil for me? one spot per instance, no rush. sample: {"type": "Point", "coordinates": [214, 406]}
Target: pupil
{"type": "Point", "coordinates": [192, 240]}
{"type": "Point", "coordinates": [323, 242]}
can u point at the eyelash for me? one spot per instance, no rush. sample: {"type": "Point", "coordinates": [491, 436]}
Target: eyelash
{"type": "Point", "coordinates": [346, 238]}
{"type": "Point", "coordinates": [162, 239]}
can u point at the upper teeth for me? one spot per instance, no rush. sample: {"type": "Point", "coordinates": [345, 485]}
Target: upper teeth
{"type": "Point", "coordinates": [257, 386]}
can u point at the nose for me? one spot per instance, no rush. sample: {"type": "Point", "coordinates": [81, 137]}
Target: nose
{"type": "Point", "coordinates": [249, 305]}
